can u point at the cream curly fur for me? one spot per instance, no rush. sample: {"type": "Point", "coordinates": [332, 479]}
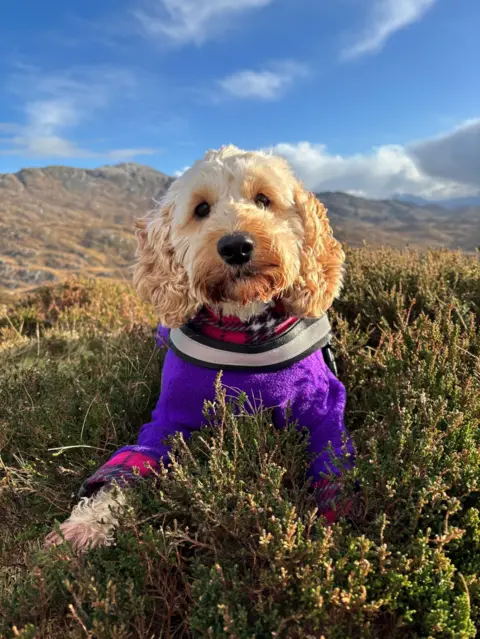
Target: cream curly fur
{"type": "Point", "coordinates": [320, 278]}
{"type": "Point", "coordinates": [296, 260]}
{"type": "Point", "coordinates": [92, 522]}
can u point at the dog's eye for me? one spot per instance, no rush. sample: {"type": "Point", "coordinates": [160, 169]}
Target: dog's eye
{"type": "Point", "coordinates": [202, 210]}
{"type": "Point", "coordinates": [262, 200]}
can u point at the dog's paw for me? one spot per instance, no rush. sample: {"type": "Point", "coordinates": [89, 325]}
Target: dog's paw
{"type": "Point", "coordinates": [92, 523]}
{"type": "Point", "coordinates": [81, 536]}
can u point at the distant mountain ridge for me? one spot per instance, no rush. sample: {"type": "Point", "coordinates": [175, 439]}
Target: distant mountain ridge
{"type": "Point", "coordinates": [59, 220]}
{"type": "Point", "coordinates": [451, 203]}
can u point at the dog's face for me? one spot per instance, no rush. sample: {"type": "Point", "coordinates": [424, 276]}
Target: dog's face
{"type": "Point", "coordinates": [237, 229]}
{"type": "Point", "coordinates": [234, 228]}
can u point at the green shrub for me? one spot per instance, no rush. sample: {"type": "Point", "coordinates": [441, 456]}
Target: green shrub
{"type": "Point", "coordinates": [227, 542]}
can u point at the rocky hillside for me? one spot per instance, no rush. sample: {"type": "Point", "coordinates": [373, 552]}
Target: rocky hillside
{"type": "Point", "coordinates": [60, 220]}
{"type": "Point", "coordinates": [398, 224]}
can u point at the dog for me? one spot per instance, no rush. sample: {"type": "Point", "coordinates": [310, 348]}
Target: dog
{"type": "Point", "coordinates": [241, 266]}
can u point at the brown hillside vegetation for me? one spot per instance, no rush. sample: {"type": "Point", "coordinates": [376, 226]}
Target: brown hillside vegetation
{"type": "Point", "coordinates": [59, 220]}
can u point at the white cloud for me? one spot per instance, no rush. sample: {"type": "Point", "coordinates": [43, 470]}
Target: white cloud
{"type": "Point", "coordinates": [392, 169]}
{"type": "Point", "coordinates": [385, 18]}
{"type": "Point", "coordinates": [54, 105]}
{"type": "Point", "coordinates": [41, 134]}
{"type": "Point", "coordinates": [454, 155]}
{"type": "Point", "coordinates": [267, 84]}
{"type": "Point", "coordinates": [180, 172]}
{"type": "Point", "coordinates": [51, 146]}
{"type": "Point", "coordinates": [184, 21]}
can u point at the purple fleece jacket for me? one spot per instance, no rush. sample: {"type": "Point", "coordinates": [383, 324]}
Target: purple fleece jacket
{"type": "Point", "coordinates": [316, 399]}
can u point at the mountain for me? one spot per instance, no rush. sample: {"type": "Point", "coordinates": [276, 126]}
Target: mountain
{"type": "Point", "coordinates": [451, 203]}
{"type": "Point", "coordinates": [398, 224]}
{"type": "Point", "coordinates": [60, 220]}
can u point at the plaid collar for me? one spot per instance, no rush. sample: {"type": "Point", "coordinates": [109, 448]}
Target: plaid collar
{"type": "Point", "coordinates": [258, 330]}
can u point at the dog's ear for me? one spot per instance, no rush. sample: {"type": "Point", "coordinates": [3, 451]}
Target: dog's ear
{"type": "Point", "coordinates": [158, 277]}
{"type": "Point", "coordinates": [321, 270]}
{"type": "Point", "coordinates": [141, 234]}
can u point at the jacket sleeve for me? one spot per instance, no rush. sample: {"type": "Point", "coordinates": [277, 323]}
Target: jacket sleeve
{"type": "Point", "coordinates": [321, 410]}
{"type": "Point", "coordinates": [330, 443]}
{"type": "Point", "coordinates": [138, 460]}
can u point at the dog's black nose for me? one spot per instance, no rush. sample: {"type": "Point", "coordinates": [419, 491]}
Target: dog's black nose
{"type": "Point", "coordinates": [236, 249]}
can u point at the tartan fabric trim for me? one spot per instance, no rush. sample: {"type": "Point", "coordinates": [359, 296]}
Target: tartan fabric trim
{"type": "Point", "coordinates": [328, 500]}
{"type": "Point", "coordinates": [257, 330]}
{"type": "Point", "coordinates": [124, 467]}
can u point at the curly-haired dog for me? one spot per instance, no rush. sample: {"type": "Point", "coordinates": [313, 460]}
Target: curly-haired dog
{"type": "Point", "coordinates": [241, 267]}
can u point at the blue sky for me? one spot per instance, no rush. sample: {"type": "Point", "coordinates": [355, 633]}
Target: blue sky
{"type": "Point", "coordinates": [374, 97]}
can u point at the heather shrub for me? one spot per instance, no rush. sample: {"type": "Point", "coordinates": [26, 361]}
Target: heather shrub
{"type": "Point", "coordinates": [227, 542]}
